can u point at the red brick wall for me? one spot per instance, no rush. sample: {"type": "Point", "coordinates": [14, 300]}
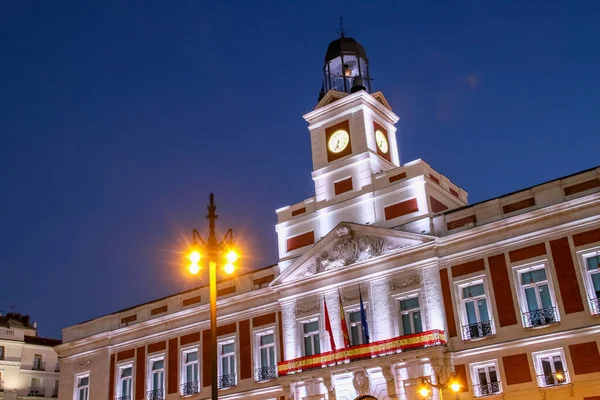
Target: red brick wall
{"type": "Point", "coordinates": [342, 186]}
{"type": "Point", "coordinates": [206, 375]}
{"type": "Point", "coordinates": [111, 377]}
{"type": "Point", "coordinates": [302, 240]}
{"type": "Point", "coordinates": [397, 177]}
{"type": "Point", "coordinates": [140, 373]}
{"type": "Point", "coordinates": [461, 222]}
{"type": "Point", "coordinates": [519, 205]}
{"type": "Point", "coordinates": [245, 350]}
{"type": "Point", "coordinates": [586, 237]}
{"type": "Point", "coordinates": [280, 334]}
{"type": "Point", "coordinates": [436, 205]}
{"type": "Point", "coordinates": [503, 294]}
{"type": "Point", "coordinates": [461, 375]}
{"type": "Point", "coordinates": [190, 338]}
{"type": "Point", "coordinates": [263, 320]}
{"type": "Point", "coordinates": [566, 274]}
{"type": "Point", "coordinates": [527, 252]}
{"type": "Point", "coordinates": [125, 354]}
{"type": "Point", "coordinates": [173, 365]}
{"type": "Point", "coordinates": [585, 357]}
{"type": "Point", "coordinates": [468, 268]}
{"type": "Point", "coordinates": [158, 346]}
{"type": "Point", "coordinates": [516, 369]}
{"type": "Point", "coordinates": [400, 209]}
{"type": "Point", "coordinates": [448, 303]}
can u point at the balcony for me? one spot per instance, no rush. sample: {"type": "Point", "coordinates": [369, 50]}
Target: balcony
{"type": "Point", "coordinates": [487, 389]}
{"type": "Point", "coordinates": [544, 316]}
{"type": "Point", "coordinates": [364, 351]}
{"type": "Point", "coordinates": [595, 306]}
{"type": "Point", "coordinates": [156, 394]}
{"type": "Point", "coordinates": [226, 381]}
{"type": "Point", "coordinates": [36, 392]}
{"type": "Point", "coordinates": [124, 398]}
{"type": "Point", "coordinates": [265, 373]}
{"type": "Point", "coordinates": [38, 366]}
{"type": "Point", "coordinates": [478, 330]}
{"type": "Point", "coordinates": [190, 388]}
{"type": "Point", "coordinates": [553, 379]}
{"type": "Point", "coordinates": [55, 392]}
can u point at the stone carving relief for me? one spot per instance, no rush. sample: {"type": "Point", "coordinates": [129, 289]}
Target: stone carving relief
{"type": "Point", "coordinates": [401, 284]}
{"type": "Point", "coordinates": [361, 383]}
{"type": "Point", "coordinates": [349, 248]}
{"type": "Point", "coordinates": [83, 365]}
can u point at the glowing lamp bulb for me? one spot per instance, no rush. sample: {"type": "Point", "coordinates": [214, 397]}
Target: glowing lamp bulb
{"type": "Point", "coordinates": [194, 269]}
{"type": "Point", "coordinates": [455, 386]}
{"type": "Point", "coordinates": [229, 268]}
{"type": "Point", "coordinates": [423, 390]}
{"type": "Point", "coordinates": [560, 376]}
{"type": "Point", "coordinates": [232, 256]}
{"type": "Point", "coordinates": [194, 257]}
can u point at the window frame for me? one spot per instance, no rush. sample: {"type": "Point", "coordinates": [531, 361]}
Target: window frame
{"type": "Point", "coordinates": [537, 364]}
{"type": "Point", "coordinates": [405, 296]}
{"type": "Point", "coordinates": [77, 388]}
{"type": "Point", "coordinates": [461, 304]}
{"type": "Point", "coordinates": [220, 343]}
{"type": "Point", "coordinates": [301, 322]}
{"type": "Point", "coordinates": [119, 379]}
{"type": "Point", "coordinates": [582, 256]}
{"type": "Point", "coordinates": [473, 367]}
{"type": "Point", "coordinates": [258, 333]}
{"type": "Point", "coordinates": [183, 366]}
{"type": "Point", "coordinates": [150, 374]}
{"type": "Point", "coordinates": [2, 353]}
{"type": "Point", "coordinates": [518, 271]}
{"type": "Point", "coordinates": [352, 309]}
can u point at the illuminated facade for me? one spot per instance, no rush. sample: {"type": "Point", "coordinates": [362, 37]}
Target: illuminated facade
{"type": "Point", "coordinates": [29, 365]}
{"type": "Point", "coordinates": [503, 293]}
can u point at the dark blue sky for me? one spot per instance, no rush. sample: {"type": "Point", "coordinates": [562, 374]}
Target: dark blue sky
{"type": "Point", "coordinates": [117, 119]}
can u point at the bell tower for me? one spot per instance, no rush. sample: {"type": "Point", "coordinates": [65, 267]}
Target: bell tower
{"type": "Point", "coordinates": [353, 133]}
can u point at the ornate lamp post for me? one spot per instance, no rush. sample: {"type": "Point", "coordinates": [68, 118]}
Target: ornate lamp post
{"type": "Point", "coordinates": [214, 253]}
{"type": "Point", "coordinates": [452, 383]}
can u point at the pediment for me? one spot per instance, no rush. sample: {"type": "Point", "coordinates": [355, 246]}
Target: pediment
{"type": "Point", "coordinates": [330, 97]}
{"type": "Point", "coordinates": [346, 245]}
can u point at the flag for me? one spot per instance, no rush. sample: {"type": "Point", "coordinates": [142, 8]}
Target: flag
{"type": "Point", "coordinates": [363, 318]}
{"type": "Point", "coordinates": [343, 322]}
{"type": "Point", "coordinates": [328, 325]}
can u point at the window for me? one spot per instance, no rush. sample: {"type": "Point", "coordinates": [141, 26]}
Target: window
{"type": "Point", "coordinates": [267, 368]}
{"type": "Point", "coordinates": [550, 368]}
{"type": "Point", "coordinates": [156, 381]}
{"type": "Point", "coordinates": [226, 364]}
{"type": "Point", "coordinates": [82, 387]}
{"type": "Point", "coordinates": [592, 280]}
{"type": "Point", "coordinates": [37, 362]}
{"type": "Point", "coordinates": [2, 350]}
{"type": "Point", "coordinates": [536, 297]}
{"type": "Point", "coordinates": [484, 376]}
{"type": "Point", "coordinates": [124, 384]}
{"type": "Point", "coordinates": [410, 316]}
{"type": "Point", "coordinates": [55, 390]}
{"type": "Point", "coordinates": [357, 336]}
{"type": "Point", "coordinates": [190, 374]}
{"type": "Point", "coordinates": [474, 310]}
{"type": "Point", "coordinates": [36, 388]}
{"type": "Point", "coordinates": [311, 342]}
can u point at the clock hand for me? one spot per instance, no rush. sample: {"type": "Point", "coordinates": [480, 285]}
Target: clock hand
{"type": "Point", "coordinates": [337, 145]}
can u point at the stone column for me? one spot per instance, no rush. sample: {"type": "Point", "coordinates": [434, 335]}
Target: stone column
{"type": "Point", "coordinates": [432, 298]}
{"type": "Point", "coordinates": [291, 347]}
{"type": "Point", "coordinates": [381, 306]}
{"type": "Point", "coordinates": [389, 375]}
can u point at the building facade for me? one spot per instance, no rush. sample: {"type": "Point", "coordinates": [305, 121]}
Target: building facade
{"type": "Point", "coordinates": [29, 366]}
{"type": "Point", "coordinates": [503, 294]}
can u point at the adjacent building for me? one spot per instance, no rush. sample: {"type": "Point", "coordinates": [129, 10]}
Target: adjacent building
{"type": "Point", "coordinates": [503, 294]}
{"type": "Point", "coordinates": [29, 366]}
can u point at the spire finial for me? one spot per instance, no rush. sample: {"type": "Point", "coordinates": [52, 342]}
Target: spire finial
{"type": "Point", "coordinates": [342, 31]}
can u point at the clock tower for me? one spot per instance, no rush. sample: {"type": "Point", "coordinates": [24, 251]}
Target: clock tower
{"type": "Point", "coordinates": [353, 133]}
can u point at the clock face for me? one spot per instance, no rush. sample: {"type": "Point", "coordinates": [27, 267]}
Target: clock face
{"type": "Point", "coordinates": [382, 142]}
{"type": "Point", "coordinates": [338, 141]}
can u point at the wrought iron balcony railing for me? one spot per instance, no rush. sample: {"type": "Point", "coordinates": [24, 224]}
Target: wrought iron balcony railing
{"type": "Point", "coordinates": [596, 306]}
{"type": "Point", "coordinates": [265, 373]}
{"type": "Point", "coordinates": [38, 366]}
{"type": "Point", "coordinates": [36, 391]}
{"type": "Point", "coordinates": [190, 388]}
{"type": "Point", "coordinates": [156, 394]}
{"type": "Point", "coordinates": [487, 389]}
{"type": "Point", "coordinates": [226, 381]}
{"type": "Point", "coordinates": [54, 392]}
{"type": "Point", "coordinates": [544, 316]}
{"type": "Point", "coordinates": [370, 350]}
{"type": "Point", "coordinates": [478, 330]}
{"type": "Point", "coordinates": [554, 379]}
{"type": "Point", "coordinates": [124, 398]}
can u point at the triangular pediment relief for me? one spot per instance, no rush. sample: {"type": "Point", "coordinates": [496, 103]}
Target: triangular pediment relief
{"type": "Point", "coordinates": [346, 245]}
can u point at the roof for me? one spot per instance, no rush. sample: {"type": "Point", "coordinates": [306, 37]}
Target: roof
{"type": "Point", "coordinates": [42, 341]}
{"type": "Point", "coordinates": [345, 45]}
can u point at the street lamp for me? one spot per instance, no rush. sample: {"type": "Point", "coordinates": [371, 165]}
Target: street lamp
{"type": "Point", "coordinates": [452, 383]}
{"type": "Point", "coordinates": [215, 253]}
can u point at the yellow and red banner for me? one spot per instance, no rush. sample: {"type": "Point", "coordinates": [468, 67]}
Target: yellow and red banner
{"type": "Point", "coordinates": [395, 345]}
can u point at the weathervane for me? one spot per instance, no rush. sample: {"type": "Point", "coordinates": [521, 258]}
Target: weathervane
{"type": "Point", "coordinates": [342, 31]}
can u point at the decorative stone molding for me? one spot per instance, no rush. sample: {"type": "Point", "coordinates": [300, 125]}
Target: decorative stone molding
{"type": "Point", "coordinates": [83, 365]}
{"type": "Point", "coordinates": [315, 306]}
{"type": "Point", "coordinates": [394, 285]}
{"type": "Point", "coordinates": [346, 299]}
{"type": "Point", "coordinates": [361, 382]}
{"type": "Point", "coordinates": [349, 248]}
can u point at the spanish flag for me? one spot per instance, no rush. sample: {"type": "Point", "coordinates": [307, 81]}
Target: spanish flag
{"type": "Point", "coordinates": [328, 326]}
{"type": "Point", "coordinates": [343, 322]}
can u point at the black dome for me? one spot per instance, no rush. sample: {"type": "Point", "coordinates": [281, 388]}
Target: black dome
{"type": "Point", "coordinates": [345, 46]}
